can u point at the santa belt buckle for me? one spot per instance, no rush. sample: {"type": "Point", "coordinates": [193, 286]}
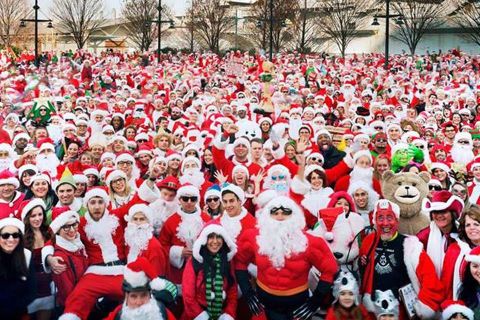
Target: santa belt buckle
{"type": "Point", "coordinates": [112, 264]}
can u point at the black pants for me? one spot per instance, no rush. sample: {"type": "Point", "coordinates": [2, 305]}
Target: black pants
{"type": "Point", "coordinates": [281, 307]}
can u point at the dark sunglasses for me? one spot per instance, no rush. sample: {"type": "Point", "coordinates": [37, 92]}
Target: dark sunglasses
{"type": "Point", "coordinates": [286, 211]}
{"type": "Point", "coordinates": [378, 128]}
{"type": "Point", "coordinates": [67, 227]}
{"type": "Point", "coordinates": [191, 199]}
{"type": "Point", "coordinates": [436, 188]}
{"type": "Point", "coordinates": [214, 199]}
{"type": "Point", "coordinates": [316, 159]}
{"type": "Point", "coordinates": [381, 140]}
{"type": "Point", "coordinates": [463, 142]}
{"type": "Point", "coordinates": [7, 235]}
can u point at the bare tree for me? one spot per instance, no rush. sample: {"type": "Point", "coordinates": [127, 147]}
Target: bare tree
{"type": "Point", "coordinates": [80, 18]}
{"type": "Point", "coordinates": [340, 20]}
{"type": "Point", "coordinates": [284, 14]}
{"type": "Point", "coordinates": [211, 21]}
{"type": "Point", "coordinates": [188, 31]}
{"type": "Point", "coordinates": [139, 14]}
{"type": "Point", "coordinates": [11, 12]}
{"type": "Point", "coordinates": [304, 27]}
{"type": "Point", "coordinates": [418, 17]}
{"type": "Point", "coordinates": [467, 17]}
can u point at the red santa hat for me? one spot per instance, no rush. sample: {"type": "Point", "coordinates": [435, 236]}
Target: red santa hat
{"type": "Point", "coordinates": [6, 177]}
{"type": "Point", "coordinates": [323, 131]}
{"type": "Point", "coordinates": [472, 165]}
{"type": "Point", "coordinates": [384, 205]}
{"type": "Point", "coordinates": [173, 155]}
{"type": "Point", "coordinates": [213, 226]}
{"type": "Point", "coordinates": [188, 190]}
{"type": "Point", "coordinates": [170, 182]}
{"type": "Point", "coordinates": [96, 192]}
{"type": "Point", "coordinates": [27, 206]}
{"type": "Point", "coordinates": [114, 175]}
{"type": "Point", "coordinates": [329, 216]}
{"type": "Point", "coordinates": [41, 176]}
{"type": "Point", "coordinates": [107, 155]}
{"type": "Point", "coordinates": [362, 153]}
{"type": "Point", "coordinates": [80, 178]}
{"type": "Point", "coordinates": [142, 208]}
{"type": "Point", "coordinates": [14, 222]}
{"type": "Point", "coordinates": [452, 307]}
{"type": "Point", "coordinates": [190, 159]}
{"type": "Point", "coordinates": [443, 200]}
{"type": "Point", "coordinates": [91, 171]}
{"type": "Point", "coordinates": [236, 190]}
{"type": "Point", "coordinates": [241, 141]}
{"type": "Point", "coordinates": [439, 165]}
{"type": "Point", "coordinates": [124, 156]}
{"type": "Point", "coordinates": [61, 216]}
{"type": "Point", "coordinates": [240, 168]}
{"type": "Point", "coordinates": [140, 275]}
{"type": "Point", "coordinates": [45, 144]}
{"type": "Point", "coordinates": [312, 167]}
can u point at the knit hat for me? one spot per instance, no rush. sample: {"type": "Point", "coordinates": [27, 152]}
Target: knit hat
{"type": "Point", "coordinates": [345, 281]}
{"type": "Point", "coordinates": [451, 307]}
{"type": "Point", "coordinates": [236, 190]}
{"type": "Point", "coordinates": [443, 201]}
{"type": "Point", "coordinates": [61, 216]}
{"type": "Point", "coordinates": [141, 207]}
{"type": "Point", "coordinates": [6, 177]}
{"type": "Point", "coordinates": [213, 226]}
{"type": "Point", "coordinates": [27, 206]}
{"type": "Point", "coordinates": [14, 222]}
{"type": "Point", "coordinates": [384, 205]}
{"type": "Point", "coordinates": [188, 190]}
{"type": "Point", "coordinates": [96, 192]}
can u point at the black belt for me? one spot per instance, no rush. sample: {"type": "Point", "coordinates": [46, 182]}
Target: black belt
{"type": "Point", "coordinates": [111, 264]}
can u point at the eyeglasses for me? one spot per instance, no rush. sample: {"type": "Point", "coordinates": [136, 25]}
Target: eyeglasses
{"type": "Point", "coordinates": [7, 235]}
{"type": "Point", "coordinates": [279, 177]}
{"type": "Point", "coordinates": [142, 140]}
{"type": "Point", "coordinates": [463, 141]}
{"type": "Point", "coordinates": [125, 163]}
{"type": "Point", "coordinates": [381, 140]}
{"type": "Point", "coordinates": [214, 199]}
{"type": "Point", "coordinates": [420, 146]}
{"type": "Point", "coordinates": [187, 199]}
{"type": "Point", "coordinates": [436, 188]}
{"type": "Point", "coordinates": [67, 227]}
{"type": "Point", "coordinates": [450, 130]}
{"type": "Point", "coordinates": [316, 159]}
{"type": "Point", "coordinates": [286, 211]}
{"type": "Point", "coordinates": [117, 181]}
{"type": "Point", "coordinates": [456, 191]}
{"type": "Point", "coordinates": [378, 128]}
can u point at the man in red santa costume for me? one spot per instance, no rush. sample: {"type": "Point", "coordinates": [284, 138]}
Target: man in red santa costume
{"type": "Point", "coordinates": [390, 260]}
{"type": "Point", "coordinates": [181, 229]}
{"type": "Point", "coordinates": [10, 198]}
{"type": "Point", "coordinates": [284, 254]}
{"type": "Point", "coordinates": [140, 240]}
{"type": "Point", "coordinates": [47, 160]}
{"type": "Point", "coordinates": [146, 294]}
{"type": "Point", "coordinates": [462, 148]}
{"type": "Point", "coordinates": [192, 174]}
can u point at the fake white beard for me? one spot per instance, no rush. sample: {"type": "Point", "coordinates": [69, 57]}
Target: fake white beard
{"type": "Point", "coordinates": [193, 176]}
{"type": "Point", "coordinates": [462, 154]}
{"type": "Point", "coordinates": [102, 229]}
{"type": "Point", "coordinates": [137, 239]}
{"type": "Point", "coordinates": [361, 174]}
{"type": "Point", "coordinates": [95, 126]}
{"type": "Point", "coordinates": [232, 225]}
{"type": "Point", "coordinates": [48, 163]}
{"type": "Point", "coordinates": [5, 163]}
{"type": "Point", "coordinates": [189, 228]}
{"type": "Point", "coordinates": [148, 311]}
{"type": "Point", "coordinates": [162, 210]}
{"type": "Point", "coordinates": [280, 239]}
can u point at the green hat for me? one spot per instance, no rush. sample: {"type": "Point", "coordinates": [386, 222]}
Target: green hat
{"type": "Point", "coordinates": [66, 178]}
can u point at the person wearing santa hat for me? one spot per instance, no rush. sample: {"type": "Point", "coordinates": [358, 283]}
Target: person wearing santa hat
{"type": "Point", "coordinates": [7, 157]}
{"type": "Point", "coordinates": [208, 282]}
{"type": "Point", "coordinates": [10, 199]}
{"type": "Point", "coordinates": [284, 254]}
{"type": "Point", "coordinates": [456, 310]}
{"type": "Point", "coordinates": [146, 294]}
{"type": "Point", "coordinates": [119, 191]}
{"type": "Point", "coordinates": [213, 204]}
{"type": "Point", "coordinates": [380, 145]}
{"type": "Point", "coordinates": [191, 173]}
{"type": "Point", "coordinates": [69, 247]}
{"type": "Point", "coordinates": [470, 281]}
{"type": "Point", "coordinates": [462, 149]}
{"type": "Point", "coordinates": [390, 260]}
{"type": "Point", "coordinates": [46, 159]}
{"type": "Point", "coordinates": [364, 198]}
{"type": "Point", "coordinates": [126, 163]}
{"type": "Point", "coordinates": [329, 152]}
{"type": "Point", "coordinates": [140, 241]}
{"type": "Point", "coordinates": [181, 229]}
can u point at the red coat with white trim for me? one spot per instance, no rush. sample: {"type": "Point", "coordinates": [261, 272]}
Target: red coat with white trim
{"type": "Point", "coordinates": [344, 182]}
{"type": "Point", "coordinates": [235, 226]}
{"type": "Point", "coordinates": [421, 272]}
{"type": "Point", "coordinates": [11, 207]}
{"type": "Point", "coordinates": [173, 244]}
{"type": "Point", "coordinates": [294, 273]}
{"type": "Point", "coordinates": [155, 253]}
{"type": "Point", "coordinates": [451, 270]}
{"type": "Point", "coordinates": [194, 293]}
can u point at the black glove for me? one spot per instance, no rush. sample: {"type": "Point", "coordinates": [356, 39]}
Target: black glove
{"type": "Point", "coordinates": [305, 311]}
{"type": "Point", "coordinates": [308, 309]}
{"type": "Point", "coordinates": [254, 304]}
{"type": "Point", "coordinates": [243, 280]}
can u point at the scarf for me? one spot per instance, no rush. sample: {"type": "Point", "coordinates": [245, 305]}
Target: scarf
{"type": "Point", "coordinates": [214, 289]}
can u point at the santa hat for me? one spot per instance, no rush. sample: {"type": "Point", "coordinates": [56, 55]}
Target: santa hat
{"type": "Point", "coordinates": [170, 182]}
{"type": "Point", "coordinates": [398, 147]}
{"type": "Point", "coordinates": [312, 167]}
{"type": "Point", "coordinates": [144, 149]}
{"type": "Point", "coordinates": [114, 175]}
{"type": "Point", "coordinates": [191, 147]}
{"type": "Point", "coordinates": [241, 168]}
{"type": "Point", "coordinates": [61, 216]}
{"type": "Point", "coordinates": [80, 178]}
{"type": "Point", "coordinates": [323, 131]}
{"type": "Point", "coordinates": [362, 153]}
{"type": "Point", "coordinates": [25, 167]}
{"type": "Point", "coordinates": [45, 144]}
{"type": "Point", "coordinates": [451, 307]}
{"type": "Point", "coordinates": [236, 190]}
{"type": "Point", "coordinates": [361, 136]}
{"type": "Point", "coordinates": [443, 201]}
{"type": "Point", "coordinates": [170, 155]}
{"type": "Point", "coordinates": [26, 206]}
{"type": "Point", "coordinates": [140, 275]}
{"type": "Point", "coordinates": [212, 192]}
{"type": "Point", "coordinates": [6, 177]}
{"type": "Point", "coordinates": [14, 222]}
{"type": "Point", "coordinates": [141, 207]}
{"type": "Point", "coordinates": [439, 165]}
{"type": "Point", "coordinates": [124, 156]}
{"type": "Point", "coordinates": [92, 171]}
{"type": "Point", "coordinates": [190, 159]}
{"type": "Point", "coordinates": [329, 216]}
{"type": "Point", "coordinates": [96, 192]}
{"type": "Point", "coordinates": [188, 190]}
{"type": "Point", "coordinates": [213, 227]}
{"type": "Point", "coordinates": [19, 136]}
{"type": "Point", "coordinates": [463, 136]}
{"type": "Point", "coordinates": [384, 205]}
{"type": "Point", "coordinates": [107, 155]}
{"type": "Point", "coordinates": [241, 141]}
{"type": "Point", "coordinates": [345, 281]}
{"type": "Point", "coordinates": [316, 155]}
{"type": "Point", "coordinates": [283, 202]}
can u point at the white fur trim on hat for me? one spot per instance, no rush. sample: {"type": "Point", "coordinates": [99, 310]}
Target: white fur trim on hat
{"type": "Point", "coordinates": [236, 190]}
{"type": "Point", "coordinates": [63, 219]}
{"type": "Point", "coordinates": [439, 206]}
{"type": "Point", "coordinates": [95, 192]}
{"type": "Point", "coordinates": [463, 135]}
{"type": "Point", "coordinates": [93, 171]}
{"type": "Point", "coordinates": [383, 204]}
{"type": "Point", "coordinates": [312, 167]}
{"type": "Point", "coordinates": [439, 165]}
{"type": "Point", "coordinates": [323, 131]}
{"type": "Point", "coordinates": [107, 155]}
{"type": "Point", "coordinates": [35, 202]}
{"type": "Point", "coordinates": [141, 207]}
{"type": "Point", "coordinates": [14, 222]}
{"type": "Point", "coordinates": [212, 192]}
{"type": "Point", "coordinates": [361, 136]}
{"type": "Point", "coordinates": [457, 308]}
{"type": "Point", "coordinates": [188, 190]}
{"type": "Point", "coordinates": [124, 157]}
{"type": "Point", "coordinates": [242, 168]}
{"type": "Point", "coordinates": [114, 175]}
{"type": "Point", "coordinates": [399, 146]}
{"type": "Point", "coordinates": [190, 159]}
{"type": "Point", "coordinates": [69, 316]}
{"type": "Point", "coordinates": [46, 146]}
{"type": "Point", "coordinates": [38, 177]}
{"type": "Point", "coordinates": [242, 140]}
{"type": "Point", "coordinates": [22, 135]}
{"type": "Point", "coordinates": [135, 279]}
{"type": "Point", "coordinates": [80, 178]}
{"type": "Point", "coordinates": [362, 153]}
{"type": "Point", "coordinates": [203, 236]}
{"type": "Point", "coordinates": [26, 167]}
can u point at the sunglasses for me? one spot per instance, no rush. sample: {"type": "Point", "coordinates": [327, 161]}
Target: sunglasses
{"type": "Point", "coordinates": [67, 227]}
{"type": "Point", "coordinates": [316, 159]}
{"type": "Point", "coordinates": [463, 142]}
{"type": "Point", "coordinates": [381, 140]}
{"type": "Point", "coordinates": [286, 211]}
{"type": "Point", "coordinates": [378, 128]}
{"type": "Point", "coordinates": [279, 177]}
{"type": "Point", "coordinates": [436, 188]}
{"type": "Point", "coordinates": [214, 199]}
{"type": "Point", "coordinates": [187, 199]}
{"type": "Point", "coordinates": [7, 235]}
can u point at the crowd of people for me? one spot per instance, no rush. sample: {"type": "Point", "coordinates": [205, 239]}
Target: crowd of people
{"type": "Point", "coordinates": [215, 187]}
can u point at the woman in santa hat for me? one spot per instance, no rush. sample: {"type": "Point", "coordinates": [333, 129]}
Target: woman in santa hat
{"type": "Point", "coordinates": [119, 190]}
{"type": "Point", "coordinates": [25, 174]}
{"type": "Point", "coordinates": [208, 282]}
{"type": "Point", "coordinates": [456, 310]}
{"type": "Point", "coordinates": [36, 235]}
{"type": "Point", "coordinates": [468, 292]}
{"type": "Point", "coordinates": [174, 160]}
{"type": "Point", "coordinates": [41, 189]}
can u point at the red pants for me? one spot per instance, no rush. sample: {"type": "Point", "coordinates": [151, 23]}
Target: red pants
{"type": "Point", "coordinates": [87, 291]}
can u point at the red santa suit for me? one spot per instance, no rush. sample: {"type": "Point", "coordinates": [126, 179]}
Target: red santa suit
{"type": "Point", "coordinates": [8, 208]}
{"type": "Point", "coordinates": [451, 270]}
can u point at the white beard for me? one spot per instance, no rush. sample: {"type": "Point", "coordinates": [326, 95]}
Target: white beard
{"type": "Point", "coordinates": [280, 239]}
{"type": "Point", "coordinates": [361, 174]}
{"type": "Point", "coordinates": [462, 154]}
{"type": "Point", "coordinates": [101, 232]}
{"type": "Point", "coordinates": [189, 228]}
{"type": "Point", "coordinates": [137, 239]}
{"type": "Point", "coordinates": [148, 311]}
{"type": "Point", "coordinates": [194, 177]}
{"type": "Point", "coordinates": [95, 126]}
{"type": "Point", "coordinates": [162, 210]}
{"type": "Point", "coordinates": [5, 163]}
{"type": "Point", "coordinates": [48, 163]}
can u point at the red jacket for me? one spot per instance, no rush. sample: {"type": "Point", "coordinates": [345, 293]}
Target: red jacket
{"type": "Point", "coordinates": [226, 166]}
{"type": "Point", "coordinates": [156, 254]}
{"type": "Point", "coordinates": [193, 289]}
{"type": "Point", "coordinates": [348, 316]}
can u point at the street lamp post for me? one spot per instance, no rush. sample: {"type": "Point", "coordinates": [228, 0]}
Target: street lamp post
{"type": "Point", "coordinates": [271, 30]}
{"type": "Point", "coordinates": [387, 17]}
{"type": "Point", "coordinates": [159, 23]}
{"type": "Point", "coordinates": [36, 21]}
